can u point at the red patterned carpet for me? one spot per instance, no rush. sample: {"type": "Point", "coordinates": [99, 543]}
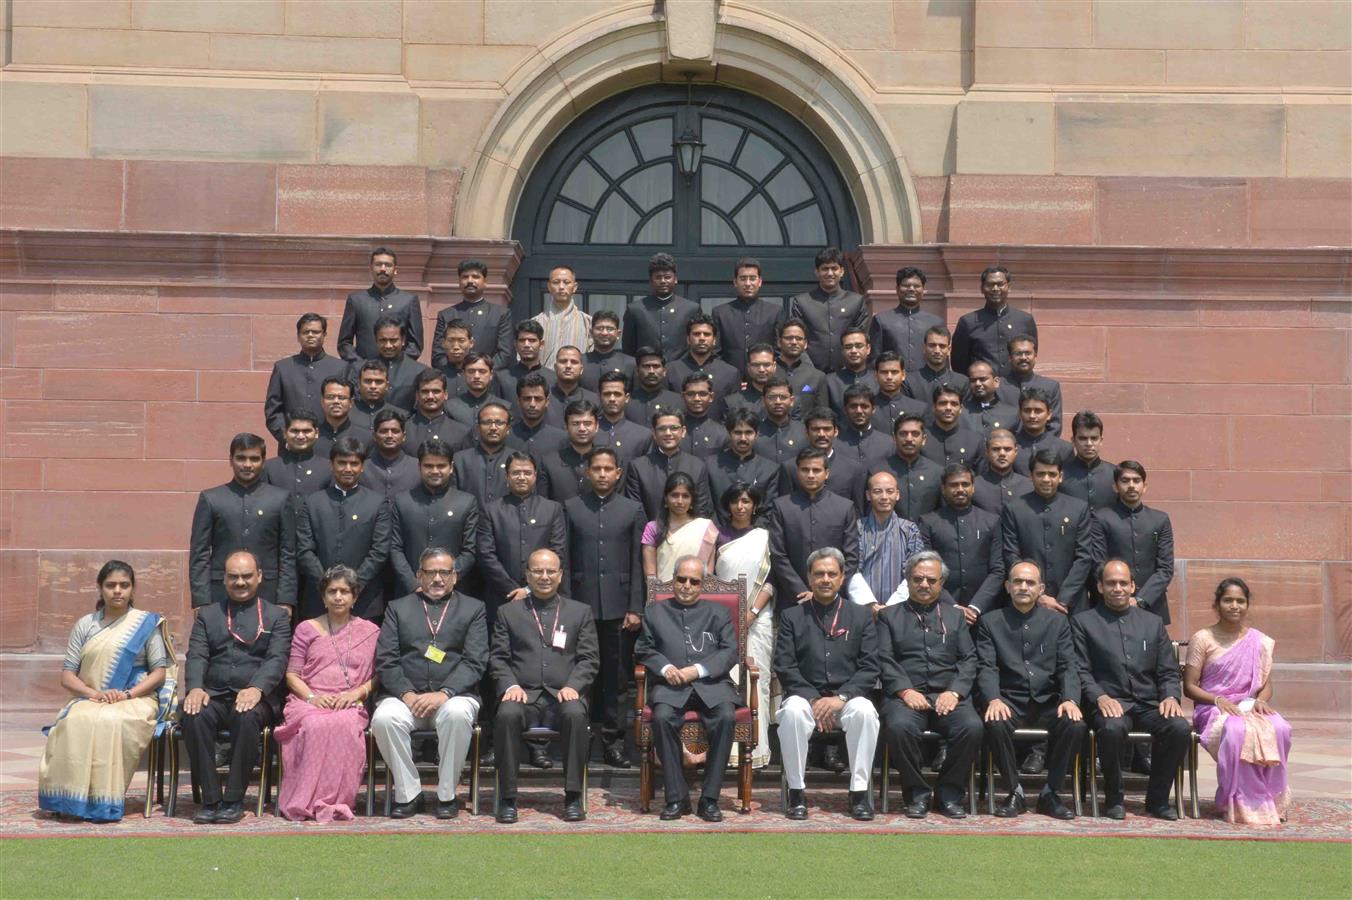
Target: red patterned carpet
{"type": "Point", "coordinates": [614, 808]}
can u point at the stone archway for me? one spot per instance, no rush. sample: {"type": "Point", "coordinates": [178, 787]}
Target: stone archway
{"type": "Point", "coordinates": [753, 51]}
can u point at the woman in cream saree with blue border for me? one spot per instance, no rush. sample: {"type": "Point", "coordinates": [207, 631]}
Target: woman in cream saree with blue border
{"type": "Point", "coordinates": [126, 689]}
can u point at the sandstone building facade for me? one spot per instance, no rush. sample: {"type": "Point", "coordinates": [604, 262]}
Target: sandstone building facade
{"type": "Point", "coordinates": [1169, 182]}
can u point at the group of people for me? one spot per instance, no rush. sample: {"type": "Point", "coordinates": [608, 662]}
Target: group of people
{"type": "Point", "coordinates": [472, 540]}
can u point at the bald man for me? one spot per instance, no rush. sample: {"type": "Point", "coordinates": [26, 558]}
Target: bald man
{"type": "Point", "coordinates": [237, 656]}
{"type": "Point", "coordinates": [543, 661]}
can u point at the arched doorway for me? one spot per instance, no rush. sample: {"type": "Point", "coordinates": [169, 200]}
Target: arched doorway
{"type": "Point", "coordinates": [607, 194]}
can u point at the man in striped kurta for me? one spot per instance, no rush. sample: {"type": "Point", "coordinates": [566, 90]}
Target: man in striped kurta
{"type": "Point", "coordinates": [886, 541]}
{"type": "Point", "coordinates": [565, 325]}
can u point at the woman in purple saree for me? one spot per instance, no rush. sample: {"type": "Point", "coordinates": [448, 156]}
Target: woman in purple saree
{"type": "Point", "coordinates": [1227, 678]}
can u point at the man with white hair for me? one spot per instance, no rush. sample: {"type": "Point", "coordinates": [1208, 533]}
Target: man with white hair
{"type": "Point", "coordinates": [689, 647]}
{"type": "Point", "coordinates": [928, 663]}
{"type": "Point", "coordinates": [827, 661]}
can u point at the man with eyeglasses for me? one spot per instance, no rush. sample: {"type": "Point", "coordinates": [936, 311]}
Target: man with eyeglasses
{"type": "Point", "coordinates": [826, 659]}
{"type": "Point", "coordinates": [481, 470]}
{"type": "Point", "coordinates": [928, 666]}
{"type": "Point", "coordinates": [544, 660]}
{"type": "Point", "coordinates": [689, 648]}
{"type": "Point", "coordinates": [648, 474]}
{"type": "Point", "coordinates": [432, 652]}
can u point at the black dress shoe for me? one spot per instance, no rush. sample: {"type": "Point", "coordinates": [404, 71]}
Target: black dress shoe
{"type": "Point", "coordinates": [675, 810]}
{"type": "Point", "coordinates": [572, 808]}
{"type": "Point", "coordinates": [1115, 811]}
{"type": "Point", "coordinates": [448, 809]}
{"type": "Point", "coordinates": [709, 811]}
{"type": "Point", "coordinates": [1035, 761]}
{"type": "Point", "coordinates": [506, 812]}
{"type": "Point", "coordinates": [539, 757]}
{"type": "Point", "coordinates": [1166, 812]}
{"type": "Point", "coordinates": [207, 814]}
{"type": "Point", "coordinates": [615, 757]}
{"type": "Point", "coordinates": [1013, 807]}
{"type": "Point", "coordinates": [407, 810]}
{"type": "Point", "coordinates": [797, 806]}
{"type": "Point", "coordinates": [860, 809]}
{"type": "Point", "coordinates": [1051, 805]}
{"type": "Point", "coordinates": [487, 759]}
{"type": "Point", "coordinates": [952, 809]}
{"type": "Point", "coordinates": [918, 808]}
{"type": "Point", "coordinates": [833, 760]}
{"type": "Point", "coordinates": [229, 814]}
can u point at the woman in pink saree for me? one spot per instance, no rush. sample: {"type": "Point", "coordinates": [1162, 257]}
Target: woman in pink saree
{"type": "Point", "coordinates": [330, 675]}
{"type": "Point", "coordinates": [1227, 677]}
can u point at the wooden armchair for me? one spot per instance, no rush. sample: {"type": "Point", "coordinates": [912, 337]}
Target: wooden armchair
{"type": "Point", "coordinates": [731, 594]}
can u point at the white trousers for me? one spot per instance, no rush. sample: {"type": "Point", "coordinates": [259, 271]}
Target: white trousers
{"type": "Point", "coordinates": [859, 721]}
{"type": "Point", "coordinates": [392, 724]}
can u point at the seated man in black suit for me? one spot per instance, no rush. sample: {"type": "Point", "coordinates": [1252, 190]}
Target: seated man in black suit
{"type": "Point", "coordinates": [929, 666]}
{"type": "Point", "coordinates": [1029, 676]}
{"type": "Point", "coordinates": [689, 647]}
{"type": "Point", "coordinates": [237, 657]}
{"type": "Point", "coordinates": [432, 652]}
{"type": "Point", "coordinates": [826, 659]}
{"type": "Point", "coordinates": [544, 660]}
{"type": "Point", "coordinates": [1127, 689]}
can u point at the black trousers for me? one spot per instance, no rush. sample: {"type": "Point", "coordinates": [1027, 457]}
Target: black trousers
{"type": "Point", "coordinates": [1066, 736]}
{"type": "Point", "coordinates": [569, 719]}
{"type": "Point", "coordinates": [719, 721]}
{"type": "Point", "coordinates": [961, 728]}
{"type": "Point", "coordinates": [199, 739]}
{"type": "Point", "coordinates": [1170, 745]}
{"type": "Point", "coordinates": [611, 686]}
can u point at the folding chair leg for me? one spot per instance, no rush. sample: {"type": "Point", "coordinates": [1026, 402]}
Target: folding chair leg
{"type": "Point", "coordinates": [1178, 791]}
{"type": "Point", "coordinates": [971, 790]}
{"type": "Point", "coordinates": [151, 753]}
{"type": "Point", "coordinates": [1192, 775]}
{"type": "Point", "coordinates": [990, 783]}
{"type": "Point", "coordinates": [370, 775]}
{"type": "Point", "coordinates": [586, 804]}
{"type": "Point", "coordinates": [783, 791]}
{"type": "Point", "coordinates": [1093, 774]}
{"type": "Point", "coordinates": [1075, 782]}
{"type": "Point", "coordinates": [263, 771]}
{"type": "Point", "coordinates": [473, 804]}
{"type": "Point", "coordinates": [171, 804]}
{"type": "Point", "coordinates": [887, 777]}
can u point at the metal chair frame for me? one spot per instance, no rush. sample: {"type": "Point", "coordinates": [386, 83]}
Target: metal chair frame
{"type": "Point", "coordinates": [422, 734]}
{"type": "Point", "coordinates": [1031, 734]}
{"type": "Point", "coordinates": [534, 734]}
{"type": "Point", "coordinates": [173, 739]}
{"type": "Point", "coordinates": [887, 773]}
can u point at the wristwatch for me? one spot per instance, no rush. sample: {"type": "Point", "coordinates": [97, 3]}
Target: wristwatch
{"type": "Point", "coordinates": [755, 611]}
{"type": "Point", "coordinates": [448, 692]}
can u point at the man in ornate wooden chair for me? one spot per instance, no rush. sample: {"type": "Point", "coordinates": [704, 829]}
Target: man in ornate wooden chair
{"type": "Point", "coordinates": [693, 635]}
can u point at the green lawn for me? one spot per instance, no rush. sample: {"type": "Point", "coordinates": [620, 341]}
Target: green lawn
{"type": "Point", "coordinates": [666, 866]}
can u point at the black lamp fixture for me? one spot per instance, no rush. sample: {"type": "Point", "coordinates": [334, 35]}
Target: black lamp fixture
{"type": "Point", "coordinates": [689, 148]}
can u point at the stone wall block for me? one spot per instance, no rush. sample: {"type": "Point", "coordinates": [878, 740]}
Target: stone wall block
{"type": "Point", "coordinates": [61, 193]}
{"type": "Point", "coordinates": [1173, 212]}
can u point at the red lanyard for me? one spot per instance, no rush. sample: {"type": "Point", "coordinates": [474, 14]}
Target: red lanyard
{"type": "Point", "coordinates": [230, 623]}
{"type": "Point", "coordinates": [428, 615]}
{"type": "Point", "coordinates": [831, 632]}
{"type": "Point", "coordinates": [540, 626]}
{"type": "Point", "coordinates": [943, 628]}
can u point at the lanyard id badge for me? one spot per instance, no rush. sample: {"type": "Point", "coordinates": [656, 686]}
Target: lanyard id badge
{"type": "Point", "coordinates": [558, 634]}
{"type": "Point", "coordinates": [433, 652]}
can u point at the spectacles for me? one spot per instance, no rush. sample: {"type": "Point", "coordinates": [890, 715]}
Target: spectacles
{"type": "Point", "coordinates": [666, 429]}
{"type": "Point", "coordinates": [438, 573]}
{"type": "Point", "coordinates": [686, 580]}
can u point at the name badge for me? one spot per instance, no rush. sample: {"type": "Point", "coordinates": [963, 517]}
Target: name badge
{"type": "Point", "coordinates": [434, 653]}
{"type": "Point", "coordinates": [560, 639]}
